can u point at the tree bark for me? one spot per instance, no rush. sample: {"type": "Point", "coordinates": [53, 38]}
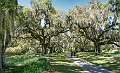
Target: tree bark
{"type": "Point", "coordinates": [5, 39]}
{"type": "Point", "coordinates": [2, 46]}
{"type": "Point", "coordinates": [2, 61]}
{"type": "Point", "coordinates": [51, 50]}
{"type": "Point", "coordinates": [97, 48]}
{"type": "Point", "coordinates": [1, 58]}
{"type": "Point", "coordinates": [45, 49]}
{"type": "Point", "coordinates": [2, 52]}
{"type": "Point", "coordinates": [44, 45]}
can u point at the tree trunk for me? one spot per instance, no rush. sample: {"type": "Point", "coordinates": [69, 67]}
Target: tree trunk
{"type": "Point", "coordinates": [43, 43]}
{"type": "Point", "coordinates": [2, 54]}
{"type": "Point", "coordinates": [51, 50]}
{"type": "Point", "coordinates": [97, 48]}
{"type": "Point", "coordinates": [6, 39]}
{"type": "Point", "coordinates": [82, 49]}
{"type": "Point", "coordinates": [1, 58]}
{"type": "Point", "coordinates": [45, 49]}
{"type": "Point", "coordinates": [2, 46]}
{"type": "Point", "coordinates": [2, 61]}
{"type": "Point", "coordinates": [54, 50]}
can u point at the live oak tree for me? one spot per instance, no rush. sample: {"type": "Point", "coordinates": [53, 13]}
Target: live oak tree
{"type": "Point", "coordinates": [51, 25]}
{"type": "Point", "coordinates": [93, 25]}
{"type": "Point", "coordinates": [43, 22]}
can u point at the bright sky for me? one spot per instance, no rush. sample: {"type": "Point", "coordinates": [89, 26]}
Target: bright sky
{"type": "Point", "coordinates": [63, 5]}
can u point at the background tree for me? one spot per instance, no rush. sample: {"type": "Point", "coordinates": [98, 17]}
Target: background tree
{"type": "Point", "coordinates": [93, 25]}
{"type": "Point", "coordinates": [42, 22]}
{"type": "Point", "coordinates": [8, 11]}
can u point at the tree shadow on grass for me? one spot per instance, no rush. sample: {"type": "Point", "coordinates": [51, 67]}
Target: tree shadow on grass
{"type": "Point", "coordinates": [61, 60]}
{"type": "Point", "coordinates": [66, 68]}
{"type": "Point", "coordinates": [15, 69]}
{"type": "Point", "coordinates": [34, 67]}
{"type": "Point", "coordinates": [104, 60]}
{"type": "Point", "coordinates": [113, 66]}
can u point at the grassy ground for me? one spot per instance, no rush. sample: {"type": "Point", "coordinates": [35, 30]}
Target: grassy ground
{"type": "Point", "coordinates": [26, 64]}
{"type": "Point", "coordinates": [35, 64]}
{"type": "Point", "coordinates": [105, 60]}
{"type": "Point", "coordinates": [58, 63]}
{"type": "Point", "coordinates": [61, 64]}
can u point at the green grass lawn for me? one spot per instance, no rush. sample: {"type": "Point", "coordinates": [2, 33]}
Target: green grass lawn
{"type": "Point", "coordinates": [58, 63]}
{"type": "Point", "coordinates": [26, 64]}
{"type": "Point", "coordinates": [105, 60]}
{"type": "Point", "coordinates": [61, 64]}
{"type": "Point", "coordinates": [36, 64]}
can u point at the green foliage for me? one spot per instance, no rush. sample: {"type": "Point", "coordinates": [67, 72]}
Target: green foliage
{"type": "Point", "coordinates": [117, 3]}
{"type": "Point", "coordinates": [43, 4]}
{"type": "Point", "coordinates": [9, 4]}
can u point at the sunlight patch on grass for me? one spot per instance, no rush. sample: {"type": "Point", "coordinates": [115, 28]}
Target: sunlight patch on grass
{"type": "Point", "coordinates": [84, 72]}
{"type": "Point", "coordinates": [28, 61]}
{"type": "Point", "coordinates": [106, 60]}
{"type": "Point", "coordinates": [100, 61]}
{"type": "Point", "coordinates": [104, 57]}
{"type": "Point", "coordinates": [21, 61]}
{"type": "Point", "coordinates": [64, 63]}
